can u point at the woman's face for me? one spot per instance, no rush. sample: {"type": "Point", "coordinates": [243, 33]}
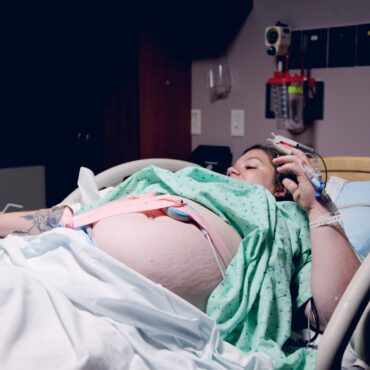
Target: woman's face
{"type": "Point", "coordinates": [255, 167]}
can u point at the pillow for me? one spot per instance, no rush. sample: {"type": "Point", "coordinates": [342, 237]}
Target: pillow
{"type": "Point", "coordinates": [353, 200]}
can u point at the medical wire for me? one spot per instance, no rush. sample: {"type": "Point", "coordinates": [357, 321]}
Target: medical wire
{"type": "Point", "coordinates": [314, 154]}
{"type": "Point", "coordinates": [355, 204]}
{"type": "Point", "coordinates": [316, 326]}
{"type": "Point", "coordinates": [222, 269]}
{"type": "Point", "coordinates": [325, 167]}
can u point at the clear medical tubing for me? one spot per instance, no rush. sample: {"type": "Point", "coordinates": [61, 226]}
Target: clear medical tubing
{"type": "Point", "coordinates": [279, 99]}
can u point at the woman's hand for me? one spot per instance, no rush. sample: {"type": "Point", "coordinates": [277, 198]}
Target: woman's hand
{"type": "Point", "coordinates": [303, 192]}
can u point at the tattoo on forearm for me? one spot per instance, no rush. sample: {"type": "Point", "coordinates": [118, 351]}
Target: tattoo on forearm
{"type": "Point", "coordinates": [42, 220]}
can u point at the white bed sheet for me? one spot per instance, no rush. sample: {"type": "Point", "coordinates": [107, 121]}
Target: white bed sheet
{"type": "Point", "coordinates": [64, 304]}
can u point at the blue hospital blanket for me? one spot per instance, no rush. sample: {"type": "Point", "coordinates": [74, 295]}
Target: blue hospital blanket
{"type": "Point", "coordinates": [65, 304]}
{"type": "Point", "coordinates": [269, 278]}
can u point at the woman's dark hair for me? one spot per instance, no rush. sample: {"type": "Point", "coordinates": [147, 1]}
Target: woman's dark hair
{"type": "Point", "coordinates": [270, 150]}
{"type": "Point", "coordinates": [273, 153]}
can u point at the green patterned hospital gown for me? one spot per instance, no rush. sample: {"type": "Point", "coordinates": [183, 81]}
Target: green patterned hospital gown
{"type": "Point", "coordinates": [268, 279]}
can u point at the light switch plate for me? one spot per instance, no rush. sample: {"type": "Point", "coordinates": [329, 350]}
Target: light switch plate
{"type": "Point", "coordinates": [196, 121]}
{"type": "Point", "coordinates": [237, 122]}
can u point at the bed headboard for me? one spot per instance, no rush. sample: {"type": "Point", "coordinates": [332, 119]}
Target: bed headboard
{"type": "Point", "coordinates": [349, 168]}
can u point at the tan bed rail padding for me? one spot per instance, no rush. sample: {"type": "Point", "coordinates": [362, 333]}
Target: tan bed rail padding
{"type": "Point", "coordinates": [349, 168]}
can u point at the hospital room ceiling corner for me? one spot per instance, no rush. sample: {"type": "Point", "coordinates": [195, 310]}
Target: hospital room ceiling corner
{"type": "Point", "coordinates": [202, 29]}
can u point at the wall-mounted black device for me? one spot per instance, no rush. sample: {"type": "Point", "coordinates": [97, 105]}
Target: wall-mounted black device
{"type": "Point", "coordinates": [214, 157]}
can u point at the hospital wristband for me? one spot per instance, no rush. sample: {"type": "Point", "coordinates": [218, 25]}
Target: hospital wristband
{"type": "Point", "coordinates": [332, 219]}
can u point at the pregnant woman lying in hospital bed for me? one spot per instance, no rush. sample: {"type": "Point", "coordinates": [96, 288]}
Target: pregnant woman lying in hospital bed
{"type": "Point", "coordinates": [275, 262]}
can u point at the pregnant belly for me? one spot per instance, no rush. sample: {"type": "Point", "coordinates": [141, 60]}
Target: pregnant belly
{"type": "Point", "coordinates": [172, 253]}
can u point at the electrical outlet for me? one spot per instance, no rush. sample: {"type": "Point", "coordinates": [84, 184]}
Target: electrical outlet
{"type": "Point", "coordinates": [237, 122]}
{"type": "Point", "coordinates": [196, 121]}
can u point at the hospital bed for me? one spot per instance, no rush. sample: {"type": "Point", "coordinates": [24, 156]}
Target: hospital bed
{"type": "Point", "coordinates": [351, 319]}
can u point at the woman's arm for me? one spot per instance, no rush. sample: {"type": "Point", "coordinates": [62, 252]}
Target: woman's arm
{"type": "Point", "coordinates": [333, 260]}
{"type": "Point", "coordinates": [333, 265]}
{"type": "Point", "coordinates": [30, 222]}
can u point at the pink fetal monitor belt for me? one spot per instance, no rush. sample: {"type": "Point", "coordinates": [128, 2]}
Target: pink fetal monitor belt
{"type": "Point", "coordinates": [170, 205]}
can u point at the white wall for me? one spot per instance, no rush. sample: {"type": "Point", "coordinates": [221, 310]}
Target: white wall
{"type": "Point", "coordinates": [24, 186]}
{"type": "Point", "coordinates": [345, 128]}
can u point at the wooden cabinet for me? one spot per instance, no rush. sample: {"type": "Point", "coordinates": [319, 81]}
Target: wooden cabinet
{"type": "Point", "coordinates": [120, 106]}
{"type": "Point", "coordinates": [147, 109]}
{"type": "Point", "coordinates": [147, 113]}
{"type": "Point", "coordinates": [164, 100]}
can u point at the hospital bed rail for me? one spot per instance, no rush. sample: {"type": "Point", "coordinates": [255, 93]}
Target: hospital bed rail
{"type": "Point", "coordinates": [351, 319]}
{"type": "Point", "coordinates": [115, 175]}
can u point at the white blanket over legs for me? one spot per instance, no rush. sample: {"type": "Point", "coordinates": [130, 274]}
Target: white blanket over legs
{"type": "Point", "coordinates": [65, 304]}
